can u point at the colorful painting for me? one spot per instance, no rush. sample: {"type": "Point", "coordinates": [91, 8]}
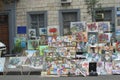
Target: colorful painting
{"type": "Point", "coordinates": [43, 40]}
{"type": "Point", "coordinates": [14, 62]}
{"type": "Point", "coordinates": [77, 27]}
{"type": "Point", "coordinates": [108, 67]}
{"type": "Point", "coordinates": [36, 62]}
{"type": "Point", "coordinates": [92, 27]}
{"type": "Point", "coordinates": [43, 31]}
{"type": "Point", "coordinates": [118, 46]}
{"type": "Point", "coordinates": [2, 64]}
{"type": "Point", "coordinates": [93, 38]}
{"type": "Point", "coordinates": [81, 36]}
{"type": "Point", "coordinates": [104, 37]}
{"type": "Point", "coordinates": [31, 53]}
{"type": "Point", "coordinates": [32, 33]}
{"type": "Point", "coordinates": [116, 67]}
{"type": "Point", "coordinates": [42, 49]}
{"type": "Point", "coordinates": [33, 44]}
{"type": "Point", "coordinates": [117, 34]}
{"type": "Point", "coordinates": [53, 31]}
{"type": "Point", "coordinates": [100, 68]}
{"type": "Point", "coordinates": [103, 26]}
{"type": "Point", "coordinates": [20, 42]}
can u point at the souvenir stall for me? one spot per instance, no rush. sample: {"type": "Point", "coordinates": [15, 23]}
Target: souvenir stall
{"type": "Point", "coordinates": [89, 50]}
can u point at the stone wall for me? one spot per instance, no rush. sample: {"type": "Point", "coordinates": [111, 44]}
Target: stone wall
{"type": "Point", "coordinates": [52, 7]}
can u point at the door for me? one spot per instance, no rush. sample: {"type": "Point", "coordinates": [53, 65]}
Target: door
{"type": "Point", "coordinates": [4, 30]}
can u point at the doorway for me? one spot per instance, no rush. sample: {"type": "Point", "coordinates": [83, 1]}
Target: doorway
{"type": "Point", "coordinates": [4, 30]}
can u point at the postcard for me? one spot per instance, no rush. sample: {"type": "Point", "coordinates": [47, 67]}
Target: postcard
{"type": "Point", "coordinates": [77, 27]}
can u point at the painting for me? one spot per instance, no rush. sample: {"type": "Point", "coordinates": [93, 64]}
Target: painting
{"type": "Point", "coordinates": [82, 37]}
{"type": "Point", "coordinates": [116, 67]}
{"type": "Point", "coordinates": [103, 27]}
{"type": "Point", "coordinates": [43, 40]}
{"type": "Point", "coordinates": [14, 62]}
{"type": "Point", "coordinates": [43, 31]}
{"type": "Point", "coordinates": [53, 31]}
{"type": "Point", "coordinates": [92, 38]}
{"type": "Point", "coordinates": [42, 49]}
{"type": "Point", "coordinates": [2, 64]}
{"type": "Point", "coordinates": [92, 27]}
{"type": "Point", "coordinates": [76, 27]}
{"type": "Point", "coordinates": [32, 33]}
{"type": "Point", "coordinates": [31, 53]}
{"type": "Point", "coordinates": [104, 37]}
{"type": "Point", "coordinates": [33, 44]}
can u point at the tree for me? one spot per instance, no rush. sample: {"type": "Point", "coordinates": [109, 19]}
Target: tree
{"type": "Point", "coordinates": [91, 5]}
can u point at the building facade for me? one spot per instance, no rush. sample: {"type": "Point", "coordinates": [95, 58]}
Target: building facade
{"type": "Point", "coordinates": [44, 13]}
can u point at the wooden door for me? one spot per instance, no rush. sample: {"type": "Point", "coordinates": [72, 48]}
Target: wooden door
{"type": "Point", "coordinates": [4, 30]}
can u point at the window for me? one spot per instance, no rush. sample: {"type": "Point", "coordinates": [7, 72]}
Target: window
{"type": "Point", "coordinates": [37, 20]}
{"type": "Point", "coordinates": [108, 14]}
{"type": "Point", "coordinates": [66, 17]}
